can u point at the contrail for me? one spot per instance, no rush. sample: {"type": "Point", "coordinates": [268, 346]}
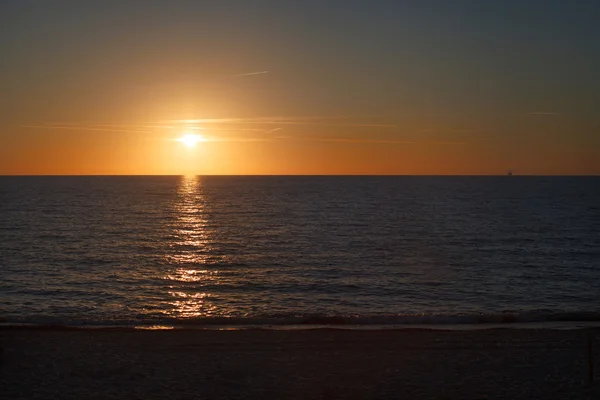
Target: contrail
{"type": "Point", "coordinates": [253, 73]}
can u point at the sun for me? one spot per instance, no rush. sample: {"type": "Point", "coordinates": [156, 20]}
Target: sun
{"type": "Point", "coordinates": [190, 140]}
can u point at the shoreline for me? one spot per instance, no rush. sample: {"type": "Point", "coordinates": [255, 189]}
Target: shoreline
{"type": "Point", "coordinates": [543, 325]}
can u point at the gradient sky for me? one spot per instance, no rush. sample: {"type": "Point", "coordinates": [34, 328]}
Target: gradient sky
{"type": "Point", "coordinates": [300, 87]}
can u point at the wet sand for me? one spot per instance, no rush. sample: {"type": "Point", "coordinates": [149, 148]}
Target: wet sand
{"type": "Point", "coordinates": [317, 364]}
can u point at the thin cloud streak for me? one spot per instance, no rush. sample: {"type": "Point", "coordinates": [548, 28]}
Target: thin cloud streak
{"type": "Point", "coordinates": [263, 120]}
{"type": "Point", "coordinates": [235, 139]}
{"type": "Point", "coordinates": [134, 128]}
{"type": "Point", "coordinates": [283, 121]}
{"type": "Point", "coordinates": [542, 113]}
{"type": "Point", "coordinates": [447, 131]}
{"type": "Point", "coordinates": [330, 124]}
{"type": "Point", "coordinates": [252, 73]}
{"type": "Point", "coordinates": [235, 129]}
{"type": "Point", "coordinates": [376, 141]}
{"type": "Point", "coordinates": [297, 137]}
{"type": "Point", "coordinates": [81, 128]}
{"type": "Point", "coordinates": [192, 123]}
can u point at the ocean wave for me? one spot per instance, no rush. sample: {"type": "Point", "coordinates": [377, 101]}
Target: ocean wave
{"type": "Point", "coordinates": [311, 320]}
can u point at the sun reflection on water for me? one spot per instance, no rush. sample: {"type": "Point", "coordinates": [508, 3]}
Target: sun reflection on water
{"type": "Point", "coordinates": [193, 275]}
{"type": "Point", "coordinates": [189, 254]}
{"type": "Point", "coordinates": [192, 305]}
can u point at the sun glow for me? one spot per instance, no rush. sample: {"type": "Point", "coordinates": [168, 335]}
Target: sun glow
{"type": "Point", "coordinates": [190, 140]}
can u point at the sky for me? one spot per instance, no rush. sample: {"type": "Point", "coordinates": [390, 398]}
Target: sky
{"type": "Point", "coordinates": [300, 87]}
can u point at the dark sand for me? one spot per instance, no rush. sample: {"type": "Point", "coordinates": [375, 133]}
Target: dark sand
{"type": "Point", "coordinates": [319, 364]}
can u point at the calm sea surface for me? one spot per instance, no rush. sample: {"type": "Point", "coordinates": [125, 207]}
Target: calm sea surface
{"type": "Point", "coordinates": [298, 250]}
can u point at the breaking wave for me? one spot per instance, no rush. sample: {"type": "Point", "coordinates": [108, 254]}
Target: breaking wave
{"type": "Point", "coordinates": [315, 320]}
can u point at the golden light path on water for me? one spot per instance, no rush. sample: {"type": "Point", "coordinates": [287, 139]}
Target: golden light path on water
{"type": "Point", "coordinates": [189, 253]}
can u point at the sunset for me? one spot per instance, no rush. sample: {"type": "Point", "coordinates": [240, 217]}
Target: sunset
{"type": "Point", "coordinates": [393, 88]}
{"type": "Point", "coordinates": [299, 199]}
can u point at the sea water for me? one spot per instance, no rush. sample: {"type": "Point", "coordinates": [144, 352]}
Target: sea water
{"type": "Point", "coordinates": [289, 251]}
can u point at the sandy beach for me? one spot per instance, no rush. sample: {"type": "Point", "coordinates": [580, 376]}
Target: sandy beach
{"type": "Point", "coordinates": [313, 364]}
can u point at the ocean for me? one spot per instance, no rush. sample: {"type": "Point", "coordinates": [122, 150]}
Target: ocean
{"type": "Point", "coordinates": [277, 251]}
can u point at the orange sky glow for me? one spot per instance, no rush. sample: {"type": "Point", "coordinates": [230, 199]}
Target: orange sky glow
{"type": "Point", "coordinates": [304, 150]}
{"type": "Point", "coordinates": [284, 146]}
{"type": "Point", "coordinates": [398, 89]}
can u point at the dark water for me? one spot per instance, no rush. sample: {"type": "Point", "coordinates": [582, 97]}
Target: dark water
{"type": "Point", "coordinates": [259, 250]}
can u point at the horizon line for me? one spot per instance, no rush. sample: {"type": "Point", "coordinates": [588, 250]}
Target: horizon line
{"type": "Point", "coordinates": [301, 175]}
